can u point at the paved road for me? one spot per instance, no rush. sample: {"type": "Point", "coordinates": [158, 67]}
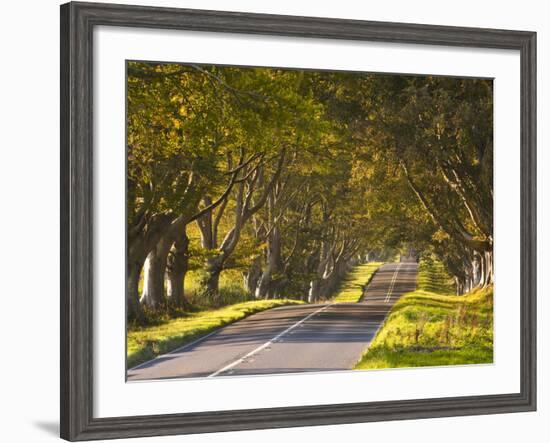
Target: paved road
{"type": "Point", "coordinates": [319, 337]}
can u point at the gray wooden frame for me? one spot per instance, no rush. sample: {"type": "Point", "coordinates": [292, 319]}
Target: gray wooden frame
{"type": "Point", "coordinates": [77, 23]}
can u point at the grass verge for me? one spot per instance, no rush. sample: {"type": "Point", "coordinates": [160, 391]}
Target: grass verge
{"type": "Point", "coordinates": [431, 327]}
{"type": "Point", "coordinates": [145, 343]}
{"type": "Point", "coordinates": [231, 290]}
{"type": "Point", "coordinates": [354, 284]}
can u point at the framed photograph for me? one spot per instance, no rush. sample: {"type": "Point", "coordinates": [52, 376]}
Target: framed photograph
{"type": "Point", "coordinates": [273, 221]}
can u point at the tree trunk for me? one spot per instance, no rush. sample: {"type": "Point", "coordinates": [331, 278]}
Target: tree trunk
{"type": "Point", "coordinates": [252, 276]}
{"type": "Point", "coordinates": [134, 309]}
{"type": "Point", "coordinates": [316, 285]}
{"type": "Point", "coordinates": [314, 288]}
{"type": "Point", "coordinates": [488, 261]}
{"type": "Point", "coordinates": [477, 269]}
{"type": "Point", "coordinates": [274, 265]}
{"type": "Point", "coordinates": [264, 284]}
{"type": "Point", "coordinates": [176, 269]}
{"type": "Point", "coordinates": [155, 268]}
{"type": "Point", "coordinates": [139, 245]}
{"type": "Point", "coordinates": [210, 283]}
{"type": "Point", "coordinates": [330, 283]}
{"type": "Point", "coordinates": [482, 270]}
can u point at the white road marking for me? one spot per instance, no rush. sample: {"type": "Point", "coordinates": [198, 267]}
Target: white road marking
{"type": "Point", "coordinates": [268, 343]}
{"type": "Point", "coordinates": [392, 284]}
{"type": "Point", "coordinates": [273, 340]}
{"type": "Point", "coordinates": [181, 348]}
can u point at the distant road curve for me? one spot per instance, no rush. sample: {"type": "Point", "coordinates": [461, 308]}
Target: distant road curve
{"type": "Point", "coordinates": [320, 337]}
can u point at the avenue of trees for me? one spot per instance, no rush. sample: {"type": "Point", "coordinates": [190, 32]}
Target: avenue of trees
{"type": "Point", "coordinates": [290, 177]}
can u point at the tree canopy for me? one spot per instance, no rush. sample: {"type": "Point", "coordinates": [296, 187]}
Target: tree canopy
{"type": "Point", "coordinates": [291, 176]}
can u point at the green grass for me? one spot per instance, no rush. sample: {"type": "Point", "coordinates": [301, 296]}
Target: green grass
{"type": "Point", "coordinates": [354, 284]}
{"type": "Point", "coordinates": [231, 290]}
{"type": "Point", "coordinates": [432, 277]}
{"type": "Point", "coordinates": [145, 343]}
{"type": "Point", "coordinates": [432, 327]}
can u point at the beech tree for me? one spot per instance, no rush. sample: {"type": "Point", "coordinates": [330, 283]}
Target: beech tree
{"type": "Point", "coordinates": [180, 131]}
{"type": "Point", "coordinates": [292, 177]}
{"type": "Point", "coordinates": [438, 131]}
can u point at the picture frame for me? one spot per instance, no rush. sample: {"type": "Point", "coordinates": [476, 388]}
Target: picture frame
{"type": "Point", "coordinates": [78, 21]}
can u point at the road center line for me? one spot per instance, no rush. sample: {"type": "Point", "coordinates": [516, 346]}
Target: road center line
{"type": "Point", "coordinates": [268, 343]}
{"type": "Point", "coordinates": [392, 284]}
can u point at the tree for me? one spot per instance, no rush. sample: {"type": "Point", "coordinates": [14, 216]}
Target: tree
{"type": "Point", "coordinates": [438, 132]}
{"type": "Point", "coordinates": [177, 139]}
{"type": "Point", "coordinates": [293, 176]}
